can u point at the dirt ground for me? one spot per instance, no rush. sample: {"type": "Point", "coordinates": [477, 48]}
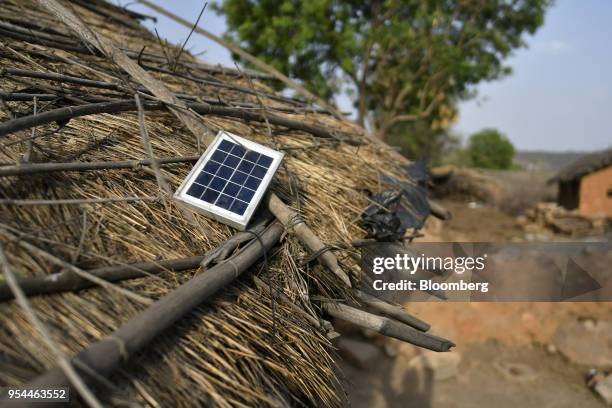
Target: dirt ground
{"type": "Point", "coordinates": [509, 354]}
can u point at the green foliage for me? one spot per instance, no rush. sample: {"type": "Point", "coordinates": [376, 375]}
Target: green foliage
{"type": "Point", "coordinates": [407, 60]}
{"type": "Point", "coordinates": [489, 149]}
{"type": "Point", "coordinates": [418, 140]}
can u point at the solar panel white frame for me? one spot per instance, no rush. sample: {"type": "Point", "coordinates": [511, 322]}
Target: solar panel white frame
{"type": "Point", "coordinates": [220, 214]}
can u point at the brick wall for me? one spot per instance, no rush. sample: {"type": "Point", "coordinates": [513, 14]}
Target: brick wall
{"type": "Point", "coordinates": [596, 193]}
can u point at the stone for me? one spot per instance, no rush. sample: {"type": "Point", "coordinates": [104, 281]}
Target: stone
{"type": "Point", "coordinates": [442, 365]}
{"type": "Point", "coordinates": [604, 389]}
{"type": "Point", "coordinates": [359, 353]}
{"type": "Point", "coordinates": [587, 343]}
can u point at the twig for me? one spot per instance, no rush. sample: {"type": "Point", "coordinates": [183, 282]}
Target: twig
{"type": "Point", "coordinates": [52, 76]}
{"type": "Point", "coordinates": [64, 364]}
{"type": "Point", "coordinates": [146, 142]}
{"type": "Point", "coordinates": [178, 57]}
{"type": "Point", "coordinates": [29, 144]}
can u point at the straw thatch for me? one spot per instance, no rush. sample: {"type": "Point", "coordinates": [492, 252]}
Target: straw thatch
{"type": "Point", "coordinates": [584, 165]}
{"type": "Point", "coordinates": [245, 347]}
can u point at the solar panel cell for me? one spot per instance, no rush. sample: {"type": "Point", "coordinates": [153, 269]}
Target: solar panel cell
{"type": "Point", "coordinates": [225, 172]}
{"type": "Point", "coordinates": [218, 156]}
{"type": "Point", "coordinates": [245, 167]}
{"type": "Point", "coordinates": [246, 194]}
{"type": "Point", "coordinates": [211, 167]}
{"type": "Point", "coordinates": [226, 145]}
{"type": "Point", "coordinates": [252, 156]}
{"type": "Point", "coordinates": [239, 177]}
{"type": "Point", "coordinates": [239, 207]}
{"type": "Point", "coordinates": [195, 190]}
{"type": "Point", "coordinates": [252, 183]}
{"type": "Point", "coordinates": [238, 150]}
{"type": "Point", "coordinates": [224, 201]}
{"type": "Point", "coordinates": [231, 161]}
{"type": "Point", "coordinates": [264, 161]}
{"type": "Point", "coordinates": [218, 184]}
{"type": "Point", "coordinates": [210, 195]}
{"type": "Point", "coordinates": [231, 189]}
{"type": "Point", "coordinates": [258, 171]}
{"type": "Point", "coordinates": [203, 178]}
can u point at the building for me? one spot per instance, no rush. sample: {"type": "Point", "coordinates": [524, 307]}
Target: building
{"type": "Point", "coordinates": [586, 184]}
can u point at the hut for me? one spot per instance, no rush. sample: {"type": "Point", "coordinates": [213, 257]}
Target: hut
{"type": "Point", "coordinates": [111, 288]}
{"type": "Point", "coordinates": [586, 184]}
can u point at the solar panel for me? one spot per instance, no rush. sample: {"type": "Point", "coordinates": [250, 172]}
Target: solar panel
{"type": "Point", "coordinates": [229, 180]}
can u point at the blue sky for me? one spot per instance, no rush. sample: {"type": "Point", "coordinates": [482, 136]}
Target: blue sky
{"type": "Point", "coordinates": [559, 96]}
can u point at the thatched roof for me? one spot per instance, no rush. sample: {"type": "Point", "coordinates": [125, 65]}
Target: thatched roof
{"type": "Point", "coordinates": [584, 165]}
{"type": "Point", "coordinates": [96, 202]}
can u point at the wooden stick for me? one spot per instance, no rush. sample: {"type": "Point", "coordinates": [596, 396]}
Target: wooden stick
{"type": "Point", "coordinates": [38, 168]}
{"type": "Point", "coordinates": [104, 356]}
{"type": "Point", "coordinates": [89, 36]}
{"type": "Point", "coordinates": [64, 365]}
{"type": "Point", "coordinates": [76, 201]}
{"type": "Point", "coordinates": [292, 220]}
{"type": "Point", "coordinates": [66, 281]}
{"type": "Point", "coordinates": [126, 105]}
{"type": "Point", "coordinates": [386, 327]}
{"type": "Point", "coordinates": [396, 312]}
{"type": "Point", "coordinates": [21, 97]}
{"type": "Point", "coordinates": [52, 76]}
{"type": "Point", "coordinates": [146, 143]}
{"type": "Point", "coordinates": [438, 211]}
{"type": "Point", "coordinates": [252, 59]}
{"type": "Point", "coordinates": [78, 271]}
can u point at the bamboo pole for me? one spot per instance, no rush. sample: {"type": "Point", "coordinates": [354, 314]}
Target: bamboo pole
{"type": "Point", "coordinates": [396, 312]}
{"type": "Point", "coordinates": [106, 355]}
{"type": "Point", "coordinates": [291, 220]}
{"type": "Point", "coordinates": [386, 327]}
{"type": "Point", "coordinates": [438, 211]}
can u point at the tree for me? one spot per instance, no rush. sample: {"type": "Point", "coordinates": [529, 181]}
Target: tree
{"type": "Point", "coordinates": [404, 60]}
{"type": "Point", "coordinates": [490, 149]}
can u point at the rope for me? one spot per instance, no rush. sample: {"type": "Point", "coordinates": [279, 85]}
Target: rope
{"type": "Point", "coordinates": [317, 254]}
{"type": "Point", "coordinates": [294, 220]}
